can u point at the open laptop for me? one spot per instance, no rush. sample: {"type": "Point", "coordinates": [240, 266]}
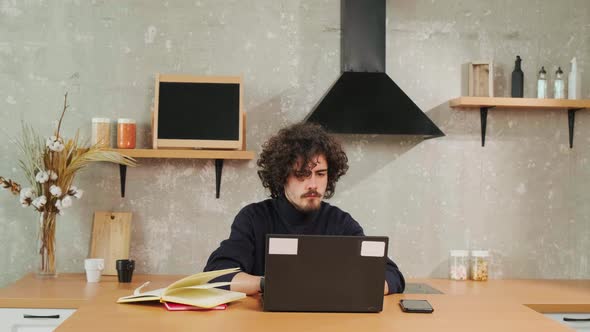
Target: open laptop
{"type": "Point", "coordinates": [324, 273]}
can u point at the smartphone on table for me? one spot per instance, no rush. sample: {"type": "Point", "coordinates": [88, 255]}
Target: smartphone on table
{"type": "Point", "coordinates": [418, 306]}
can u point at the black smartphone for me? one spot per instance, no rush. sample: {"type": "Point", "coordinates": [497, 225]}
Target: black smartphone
{"type": "Point", "coordinates": [420, 306]}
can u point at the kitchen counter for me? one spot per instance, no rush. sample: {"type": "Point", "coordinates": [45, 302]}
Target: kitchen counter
{"type": "Point", "coordinates": [494, 305]}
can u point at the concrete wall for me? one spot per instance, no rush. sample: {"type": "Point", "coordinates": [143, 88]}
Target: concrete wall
{"type": "Point", "coordinates": [522, 196]}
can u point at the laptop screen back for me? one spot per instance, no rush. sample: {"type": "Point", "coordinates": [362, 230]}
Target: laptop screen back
{"type": "Point", "coordinates": [324, 273]}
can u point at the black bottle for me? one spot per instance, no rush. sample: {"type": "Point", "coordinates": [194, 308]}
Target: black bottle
{"type": "Point", "coordinates": [517, 79]}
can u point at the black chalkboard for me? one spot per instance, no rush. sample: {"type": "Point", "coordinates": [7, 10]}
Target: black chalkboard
{"type": "Point", "coordinates": [199, 111]}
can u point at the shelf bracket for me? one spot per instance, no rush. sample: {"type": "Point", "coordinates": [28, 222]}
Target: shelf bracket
{"type": "Point", "coordinates": [571, 119]}
{"type": "Point", "coordinates": [218, 170]}
{"type": "Point", "coordinates": [122, 176]}
{"type": "Point", "coordinates": [483, 112]}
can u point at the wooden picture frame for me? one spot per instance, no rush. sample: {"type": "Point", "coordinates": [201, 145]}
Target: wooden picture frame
{"type": "Point", "coordinates": [481, 79]}
{"type": "Point", "coordinates": [159, 143]}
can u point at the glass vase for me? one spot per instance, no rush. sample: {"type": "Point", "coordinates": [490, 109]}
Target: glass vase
{"type": "Point", "coordinates": [46, 267]}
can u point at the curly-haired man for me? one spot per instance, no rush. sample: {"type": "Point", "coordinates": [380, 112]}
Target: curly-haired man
{"type": "Point", "coordinates": [300, 166]}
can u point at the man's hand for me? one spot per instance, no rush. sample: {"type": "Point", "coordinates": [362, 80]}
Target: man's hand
{"type": "Point", "coordinates": [247, 283]}
{"type": "Point", "coordinates": [386, 289]}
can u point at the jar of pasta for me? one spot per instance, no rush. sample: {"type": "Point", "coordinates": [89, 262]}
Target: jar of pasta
{"type": "Point", "coordinates": [458, 264]}
{"type": "Point", "coordinates": [479, 265]}
{"type": "Point", "coordinates": [126, 134]}
{"type": "Point", "coordinates": [101, 132]}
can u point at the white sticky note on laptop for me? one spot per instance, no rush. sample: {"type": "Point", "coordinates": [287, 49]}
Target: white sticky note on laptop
{"type": "Point", "coordinates": [282, 246]}
{"type": "Point", "coordinates": [372, 249]}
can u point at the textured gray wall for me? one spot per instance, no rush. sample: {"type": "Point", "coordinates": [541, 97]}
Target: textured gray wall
{"type": "Point", "coordinates": [523, 195]}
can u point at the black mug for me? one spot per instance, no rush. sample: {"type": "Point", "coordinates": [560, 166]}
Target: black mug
{"type": "Point", "coordinates": [125, 269]}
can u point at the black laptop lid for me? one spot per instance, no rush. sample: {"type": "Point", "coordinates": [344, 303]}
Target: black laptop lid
{"type": "Point", "coordinates": [324, 273]}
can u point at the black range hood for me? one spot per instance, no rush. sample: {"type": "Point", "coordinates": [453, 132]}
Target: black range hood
{"type": "Point", "coordinates": [365, 100]}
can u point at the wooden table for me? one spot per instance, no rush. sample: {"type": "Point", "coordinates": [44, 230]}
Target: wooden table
{"type": "Point", "coordinates": [495, 305]}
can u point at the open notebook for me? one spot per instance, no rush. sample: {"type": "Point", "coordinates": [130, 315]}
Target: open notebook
{"type": "Point", "coordinates": [193, 290]}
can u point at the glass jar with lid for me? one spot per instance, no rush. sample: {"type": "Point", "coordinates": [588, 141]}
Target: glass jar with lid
{"type": "Point", "coordinates": [479, 265]}
{"type": "Point", "coordinates": [126, 134]}
{"type": "Point", "coordinates": [458, 264]}
{"type": "Point", "coordinates": [101, 132]}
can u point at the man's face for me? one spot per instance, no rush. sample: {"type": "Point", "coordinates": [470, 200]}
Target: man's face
{"type": "Point", "coordinates": [306, 193]}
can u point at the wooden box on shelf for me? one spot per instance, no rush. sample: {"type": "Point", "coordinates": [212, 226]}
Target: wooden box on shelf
{"type": "Point", "coordinates": [481, 79]}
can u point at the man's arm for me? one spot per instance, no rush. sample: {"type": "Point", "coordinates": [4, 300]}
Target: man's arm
{"type": "Point", "coordinates": [236, 251]}
{"type": "Point", "coordinates": [394, 279]}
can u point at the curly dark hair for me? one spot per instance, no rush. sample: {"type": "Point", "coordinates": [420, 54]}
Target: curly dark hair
{"type": "Point", "coordinates": [302, 140]}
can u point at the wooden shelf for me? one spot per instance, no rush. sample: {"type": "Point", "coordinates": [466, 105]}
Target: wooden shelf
{"type": "Point", "coordinates": [533, 103]}
{"type": "Point", "coordinates": [486, 103]}
{"type": "Point", "coordinates": [187, 154]}
{"type": "Point", "coordinates": [218, 155]}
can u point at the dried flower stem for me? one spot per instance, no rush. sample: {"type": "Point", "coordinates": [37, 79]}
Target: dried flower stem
{"type": "Point", "coordinates": [62, 115]}
{"type": "Point", "coordinates": [10, 185]}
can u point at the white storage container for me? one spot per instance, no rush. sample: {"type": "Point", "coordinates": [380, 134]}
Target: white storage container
{"type": "Point", "coordinates": [458, 264]}
{"type": "Point", "coordinates": [479, 265]}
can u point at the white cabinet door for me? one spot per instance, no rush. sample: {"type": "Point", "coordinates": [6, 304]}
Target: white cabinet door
{"type": "Point", "coordinates": [32, 320]}
{"type": "Point", "coordinates": [577, 321]}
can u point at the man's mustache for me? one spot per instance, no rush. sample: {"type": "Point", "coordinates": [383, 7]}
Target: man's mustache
{"type": "Point", "coordinates": [312, 193]}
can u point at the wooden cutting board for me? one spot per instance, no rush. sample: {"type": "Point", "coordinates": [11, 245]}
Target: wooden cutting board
{"type": "Point", "coordinates": [111, 234]}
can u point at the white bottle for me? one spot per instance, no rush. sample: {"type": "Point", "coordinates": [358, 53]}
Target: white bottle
{"type": "Point", "coordinates": [574, 89]}
{"type": "Point", "coordinates": [559, 84]}
{"type": "Point", "coordinates": [542, 84]}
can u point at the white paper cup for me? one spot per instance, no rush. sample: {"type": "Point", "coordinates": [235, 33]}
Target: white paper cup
{"type": "Point", "coordinates": [94, 267]}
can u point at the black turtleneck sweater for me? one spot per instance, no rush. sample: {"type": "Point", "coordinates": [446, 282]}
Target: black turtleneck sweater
{"type": "Point", "coordinates": [245, 247]}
